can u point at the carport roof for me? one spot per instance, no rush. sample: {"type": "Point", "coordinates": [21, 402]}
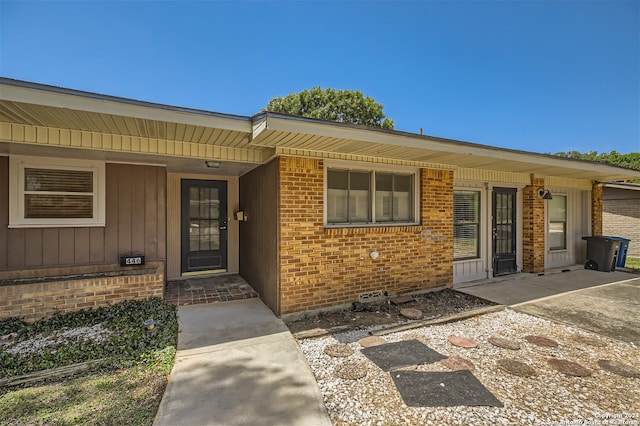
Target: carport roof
{"type": "Point", "coordinates": [267, 134]}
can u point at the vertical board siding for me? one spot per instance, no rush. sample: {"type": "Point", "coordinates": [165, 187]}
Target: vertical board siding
{"type": "Point", "coordinates": [135, 221]}
{"type": "Point", "coordinates": [577, 227]}
{"type": "Point", "coordinates": [259, 235]}
{"type": "Point", "coordinates": [4, 210]}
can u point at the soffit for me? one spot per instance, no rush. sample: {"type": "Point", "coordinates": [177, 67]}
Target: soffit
{"type": "Point", "coordinates": [288, 132]}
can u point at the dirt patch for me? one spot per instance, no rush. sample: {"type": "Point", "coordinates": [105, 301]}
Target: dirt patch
{"type": "Point", "coordinates": [433, 305]}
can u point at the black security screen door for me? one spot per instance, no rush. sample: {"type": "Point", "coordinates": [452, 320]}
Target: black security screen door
{"type": "Point", "coordinates": [204, 225]}
{"type": "Point", "coordinates": [504, 231]}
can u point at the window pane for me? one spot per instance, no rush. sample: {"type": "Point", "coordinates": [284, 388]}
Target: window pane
{"type": "Point", "coordinates": [557, 240]}
{"type": "Point", "coordinates": [58, 180]}
{"type": "Point", "coordinates": [402, 200]}
{"type": "Point", "coordinates": [338, 179]}
{"type": "Point", "coordinates": [465, 241]}
{"type": "Point", "coordinates": [558, 208]}
{"type": "Point", "coordinates": [359, 201]}
{"type": "Point", "coordinates": [384, 197]}
{"type": "Point", "coordinates": [43, 206]}
{"type": "Point", "coordinates": [466, 218]}
{"type": "Point", "coordinates": [466, 206]}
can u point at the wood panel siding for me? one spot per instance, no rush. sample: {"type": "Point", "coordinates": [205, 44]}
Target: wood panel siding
{"type": "Point", "coordinates": [135, 222]}
{"type": "Point", "coordinates": [259, 234]}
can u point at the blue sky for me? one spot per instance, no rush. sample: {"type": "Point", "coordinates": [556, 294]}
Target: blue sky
{"type": "Point", "coordinates": [541, 76]}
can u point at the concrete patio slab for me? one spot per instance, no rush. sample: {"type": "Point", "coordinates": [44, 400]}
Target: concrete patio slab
{"type": "Point", "coordinates": [528, 287]}
{"type": "Point", "coordinates": [238, 364]}
{"type": "Point", "coordinates": [610, 310]}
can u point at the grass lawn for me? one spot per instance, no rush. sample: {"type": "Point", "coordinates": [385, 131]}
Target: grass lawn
{"type": "Point", "coordinates": [125, 388]}
{"type": "Point", "coordinates": [632, 262]}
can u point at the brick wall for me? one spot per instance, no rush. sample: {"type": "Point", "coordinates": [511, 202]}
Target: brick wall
{"type": "Point", "coordinates": [596, 209]}
{"type": "Point", "coordinates": [321, 268]}
{"type": "Point", "coordinates": [35, 301]}
{"type": "Point", "coordinates": [622, 218]}
{"type": "Point", "coordinates": [533, 226]}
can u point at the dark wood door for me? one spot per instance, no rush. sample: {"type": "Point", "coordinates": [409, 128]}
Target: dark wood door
{"type": "Point", "coordinates": [504, 231]}
{"type": "Point", "coordinates": [204, 225]}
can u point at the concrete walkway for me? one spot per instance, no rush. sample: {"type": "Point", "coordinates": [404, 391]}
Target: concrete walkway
{"type": "Point", "coordinates": [607, 303]}
{"type": "Point", "coordinates": [238, 364]}
{"type": "Point", "coordinates": [527, 287]}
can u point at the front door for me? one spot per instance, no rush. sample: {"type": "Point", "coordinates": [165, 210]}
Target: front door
{"type": "Point", "coordinates": [204, 225]}
{"type": "Point", "coordinates": [504, 231]}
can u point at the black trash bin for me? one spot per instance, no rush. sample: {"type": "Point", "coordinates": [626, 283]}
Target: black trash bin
{"type": "Point", "coordinates": [601, 253]}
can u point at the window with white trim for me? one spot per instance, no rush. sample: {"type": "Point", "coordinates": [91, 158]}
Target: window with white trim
{"type": "Point", "coordinates": [557, 222]}
{"type": "Point", "coordinates": [356, 197]}
{"type": "Point", "coordinates": [52, 192]}
{"type": "Point", "coordinates": [466, 224]}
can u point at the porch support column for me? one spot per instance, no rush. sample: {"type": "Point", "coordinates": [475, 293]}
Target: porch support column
{"type": "Point", "coordinates": [596, 209]}
{"type": "Point", "coordinates": [533, 227]}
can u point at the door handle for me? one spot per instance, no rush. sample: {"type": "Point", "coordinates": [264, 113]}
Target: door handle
{"type": "Point", "coordinates": [223, 226]}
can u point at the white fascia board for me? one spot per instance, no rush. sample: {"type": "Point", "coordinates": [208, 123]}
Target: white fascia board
{"type": "Point", "coordinates": [296, 125]}
{"type": "Point", "coordinates": [89, 102]}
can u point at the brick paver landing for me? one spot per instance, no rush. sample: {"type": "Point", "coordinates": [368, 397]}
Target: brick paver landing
{"type": "Point", "coordinates": [208, 290]}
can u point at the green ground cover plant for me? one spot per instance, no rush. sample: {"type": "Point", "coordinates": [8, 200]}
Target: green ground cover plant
{"type": "Point", "coordinates": [633, 263]}
{"type": "Point", "coordinates": [124, 387]}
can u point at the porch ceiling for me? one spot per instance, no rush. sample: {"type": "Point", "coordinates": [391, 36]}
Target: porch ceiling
{"type": "Point", "coordinates": [276, 131]}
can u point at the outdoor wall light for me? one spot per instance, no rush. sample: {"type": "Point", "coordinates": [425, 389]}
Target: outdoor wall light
{"type": "Point", "coordinates": [212, 164]}
{"type": "Point", "coordinates": [545, 194]}
{"type": "Point", "coordinates": [374, 255]}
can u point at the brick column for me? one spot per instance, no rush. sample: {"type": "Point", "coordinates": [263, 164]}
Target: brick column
{"type": "Point", "coordinates": [533, 227]}
{"type": "Point", "coordinates": [596, 209]}
{"type": "Point", "coordinates": [436, 216]}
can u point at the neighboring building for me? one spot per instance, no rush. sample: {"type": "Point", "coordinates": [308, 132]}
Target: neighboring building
{"type": "Point", "coordinates": [312, 214]}
{"type": "Point", "coordinates": [621, 213]}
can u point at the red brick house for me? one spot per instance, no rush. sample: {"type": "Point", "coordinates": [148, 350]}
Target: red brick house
{"type": "Point", "coordinates": [312, 214]}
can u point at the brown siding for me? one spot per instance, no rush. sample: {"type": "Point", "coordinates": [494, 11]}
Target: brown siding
{"type": "Point", "coordinates": [258, 235]}
{"type": "Point", "coordinates": [622, 218]}
{"type": "Point", "coordinates": [135, 222]}
{"type": "Point", "coordinates": [4, 210]}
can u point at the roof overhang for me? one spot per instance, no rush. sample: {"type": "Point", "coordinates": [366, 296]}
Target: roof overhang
{"type": "Point", "coordinates": [282, 131]}
{"type": "Point", "coordinates": [45, 115]}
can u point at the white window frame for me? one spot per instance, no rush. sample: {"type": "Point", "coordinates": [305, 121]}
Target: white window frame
{"type": "Point", "coordinates": [373, 168]}
{"type": "Point", "coordinates": [17, 166]}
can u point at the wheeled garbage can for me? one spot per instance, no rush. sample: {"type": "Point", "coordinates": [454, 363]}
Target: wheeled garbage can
{"type": "Point", "coordinates": [601, 253]}
{"type": "Point", "coordinates": [622, 251]}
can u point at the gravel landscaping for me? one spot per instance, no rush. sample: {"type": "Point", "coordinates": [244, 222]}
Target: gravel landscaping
{"type": "Point", "coordinates": [585, 377]}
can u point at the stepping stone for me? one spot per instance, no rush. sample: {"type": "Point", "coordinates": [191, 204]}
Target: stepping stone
{"type": "Point", "coordinates": [516, 368]}
{"type": "Point", "coordinates": [401, 300]}
{"type": "Point", "coordinates": [541, 341]}
{"type": "Point", "coordinates": [504, 343]}
{"type": "Point", "coordinates": [367, 342]}
{"type": "Point", "coordinates": [442, 389]}
{"type": "Point", "coordinates": [569, 368]}
{"type": "Point", "coordinates": [391, 356]}
{"type": "Point", "coordinates": [338, 350]}
{"type": "Point", "coordinates": [350, 370]}
{"type": "Point", "coordinates": [588, 340]}
{"type": "Point", "coordinates": [416, 336]}
{"type": "Point", "coordinates": [618, 368]}
{"type": "Point", "coordinates": [411, 313]}
{"type": "Point", "coordinates": [457, 363]}
{"type": "Point", "coordinates": [463, 342]}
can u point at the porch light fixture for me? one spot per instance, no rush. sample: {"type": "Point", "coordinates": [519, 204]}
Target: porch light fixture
{"type": "Point", "coordinates": [545, 194]}
{"type": "Point", "coordinates": [213, 164]}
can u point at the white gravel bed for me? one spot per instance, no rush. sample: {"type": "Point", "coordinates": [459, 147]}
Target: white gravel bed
{"type": "Point", "coordinates": [40, 342]}
{"type": "Point", "coordinates": [548, 398]}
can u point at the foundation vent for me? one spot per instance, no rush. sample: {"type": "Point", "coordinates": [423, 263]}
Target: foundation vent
{"type": "Point", "coordinates": [371, 296]}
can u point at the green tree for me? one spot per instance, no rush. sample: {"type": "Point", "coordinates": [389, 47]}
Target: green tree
{"type": "Point", "coordinates": [629, 161]}
{"type": "Point", "coordinates": [344, 106]}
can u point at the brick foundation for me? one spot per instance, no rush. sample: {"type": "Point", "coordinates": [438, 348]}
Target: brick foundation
{"type": "Point", "coordinates": [321, 268]}
{"type": "Point", "coordinates": [533, 226]}
{"type": "Point", "coordinates": [38, 300]}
